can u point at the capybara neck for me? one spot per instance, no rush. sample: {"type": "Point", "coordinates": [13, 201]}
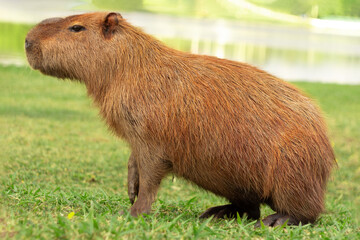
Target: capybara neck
{"type": "Point", "coordinates": [133, 58]}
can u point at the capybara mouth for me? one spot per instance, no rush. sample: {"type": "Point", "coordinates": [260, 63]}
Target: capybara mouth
{"type": "Point", "coordinates": [33, 54]}
{"type": "Point", "coordinates": [36, 60]}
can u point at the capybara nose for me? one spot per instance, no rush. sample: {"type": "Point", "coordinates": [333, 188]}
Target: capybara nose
{"type": "Point", "coordinates": [27, 44]}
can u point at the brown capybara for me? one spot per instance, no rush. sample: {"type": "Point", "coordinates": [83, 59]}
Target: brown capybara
{"type": "Point", "coordinates": [226, 126]}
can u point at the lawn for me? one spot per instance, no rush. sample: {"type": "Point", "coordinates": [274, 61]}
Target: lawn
{"type": "Point", "coordinates": [63, 175]}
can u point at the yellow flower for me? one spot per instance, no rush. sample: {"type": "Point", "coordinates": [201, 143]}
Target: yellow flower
{"type": "Point", "coordinates": [71, 215]}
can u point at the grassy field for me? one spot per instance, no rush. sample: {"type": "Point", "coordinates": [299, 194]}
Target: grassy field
{"type": "Point", "coordinates": [62, 175]}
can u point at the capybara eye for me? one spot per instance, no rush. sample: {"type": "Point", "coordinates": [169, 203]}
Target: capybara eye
{"type": "Point", "coordinates": [77, 28]}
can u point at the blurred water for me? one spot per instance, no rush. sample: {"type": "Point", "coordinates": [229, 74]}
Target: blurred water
{"type": "Point", "coordinates": [292, 53]}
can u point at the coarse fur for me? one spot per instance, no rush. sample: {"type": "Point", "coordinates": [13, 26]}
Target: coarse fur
{"type": "Point", "coordinates": [229, 127]}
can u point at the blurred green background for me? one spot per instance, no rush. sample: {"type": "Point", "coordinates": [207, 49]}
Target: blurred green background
{"type": "Point", "coordinates": [308, 40]}
{"type": "Point", "coordinates": [216, 8]}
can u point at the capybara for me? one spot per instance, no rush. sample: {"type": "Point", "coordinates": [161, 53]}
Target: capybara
{"type": "Point", "coordinates": [226, 126]}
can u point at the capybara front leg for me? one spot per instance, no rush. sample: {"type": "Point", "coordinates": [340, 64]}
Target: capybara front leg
{"type": "Point", "coordinates": [133, 179]}
{"type": "Point", "coordinates": [278, 219]}
{"type": "Point", "coordinates": [151, 172]}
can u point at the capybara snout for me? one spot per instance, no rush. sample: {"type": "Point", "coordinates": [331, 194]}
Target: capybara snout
{"type": "Point", "coordinates": [226, 126]}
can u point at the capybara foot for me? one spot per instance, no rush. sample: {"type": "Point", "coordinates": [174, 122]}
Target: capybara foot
{"type": "Point", "coordinates": [137, 210]}
{"type": "Point", "coordinates": [277, 219]}
{"type": "Point", "coordinates": [224, 211]}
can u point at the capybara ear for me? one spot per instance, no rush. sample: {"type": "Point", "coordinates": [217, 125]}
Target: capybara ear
{"type": "Point", "coordinates": [110, 23]}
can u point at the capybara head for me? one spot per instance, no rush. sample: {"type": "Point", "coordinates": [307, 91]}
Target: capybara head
{"type": "Point", "coordinates": [70, 47]}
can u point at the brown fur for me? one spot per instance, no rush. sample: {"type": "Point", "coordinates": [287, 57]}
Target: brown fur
{"type": "Point", "coordinates": [229, 127]}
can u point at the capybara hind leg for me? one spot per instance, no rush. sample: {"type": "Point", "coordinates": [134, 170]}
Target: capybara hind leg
{"type": "Point", "coordinates": [277, 219]}
{"type": "Point", "coordinates": [223, 211]}
{"type": "Point", "coordinates": [133, 179]}
{"type": "Point", "coordinates": [231, 211]}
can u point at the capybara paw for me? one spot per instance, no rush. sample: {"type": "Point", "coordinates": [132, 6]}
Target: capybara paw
{"type": "Point", "coordinates": [136, 211]}
{"type": "Point", "coordinates": [224, 211]}
{"type": "Point", "coordinates": [277, 219]}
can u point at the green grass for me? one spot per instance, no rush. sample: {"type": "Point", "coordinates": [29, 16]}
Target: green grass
{"type": "Point", "coordinates": [57, 157]}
